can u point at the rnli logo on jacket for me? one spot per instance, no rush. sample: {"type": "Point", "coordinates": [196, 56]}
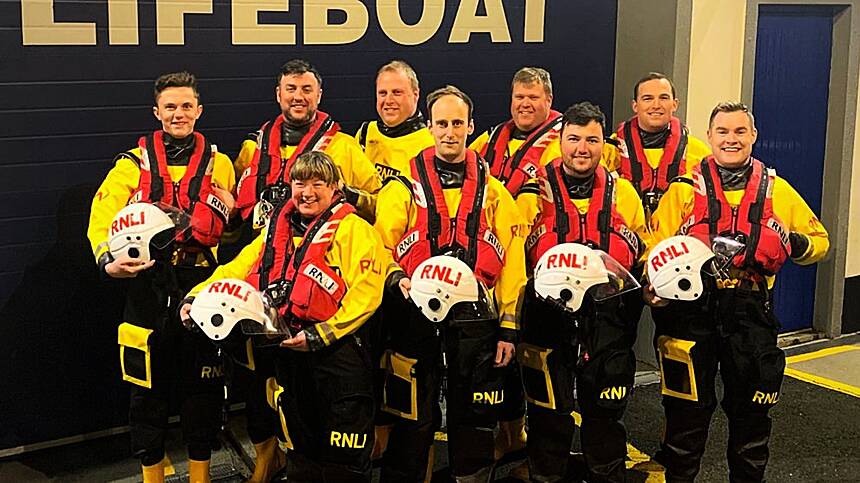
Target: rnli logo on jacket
{"type": "Point", "coordinates": [386, 171]}
{"type": "Point", "coordinates": [327, 283]}
{"type": "Point", "coordinates": [774, 225]}
{"type": "Point", "coordinates": [494, 242]}
{"type": "Point", "coordinates": [406, 244]}
{"type": "Point", "coordinates": [348, 440]}
{"type": "Point", "coordinates": [631, 237]}
{"type": "Point", "coordinates": [614, 393]}
{"type": "Point", "coordinates": [488, 397]}
{"type": "Point", "coordinates": [127, 221]}
{"type": "Point", "coordinates": [530, 169]}
{"type": "Point", "coordinates": [218, 205]}
{"type": "Point", "coordinates": [669, 253]}
{"type": "Point", "coordinates": [535, 236]}
{"type": "Point", "coordinates": [228, 288]}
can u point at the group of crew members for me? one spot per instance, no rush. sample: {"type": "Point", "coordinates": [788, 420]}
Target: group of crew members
{"type": "Point", "coordinates": [361, 376]}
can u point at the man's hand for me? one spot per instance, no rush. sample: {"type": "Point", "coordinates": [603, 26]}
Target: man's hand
{"type": "Point", "coordinates": [127, 267]}
{"type": "Point", "coordinates": [297, 343]}
{"type": "Point", "coordinates": [226, 197]}
{"type": "Point", "coordinates": [405, 285]}
{"type": "Point", "coordinates": [651, 298]}
{"type": "Point", "coordinates": [185, 315]}
{"type": "Point", "coordinates": [504, 353]}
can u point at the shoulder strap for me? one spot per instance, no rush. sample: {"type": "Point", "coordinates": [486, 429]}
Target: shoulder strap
{"type": "Point", "coordinates": [362, 134]}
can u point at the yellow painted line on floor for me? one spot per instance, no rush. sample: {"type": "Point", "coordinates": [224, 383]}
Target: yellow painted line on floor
{"type": "Point", "coordinates": [637, 460]}
{"type": "Point", "coordinates": [822, 353]}
{"type": "Point", "coordinates": [168, 466]}
{"type": "Point", "coordinates": [823, 382]}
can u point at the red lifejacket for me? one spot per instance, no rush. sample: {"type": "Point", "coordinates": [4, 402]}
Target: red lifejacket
{"type": "Point", "coordinates": [435, 233]}
{"type": "Point", "coordinates": [514, 170]}
{"type": "Point", "coordinates": [753, 220]}
{"type": "Point", "coordinates": [311, 289]}
{"type": "Point", "coordinates": [634, 163]}
{"type": "Point", "coordinates": [156, 185]}
{"type": "Point", "coordinates": [601, 227]}
{"type": "Point", "coordinates": [269, 168]}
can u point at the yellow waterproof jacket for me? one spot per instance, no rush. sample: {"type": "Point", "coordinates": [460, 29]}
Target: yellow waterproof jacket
{"type": "Point", "coordinates": [396, 215]}
{"type": "Point", "coordinates": [697, 150]}
{"type": "Point", "coordinates": [677, 204]}
{"type": "Point", "coordinates": [551, 152]}
{"type": "Point", "coordinates": [389, 155]}
{"type": "Point", "coordinates": [356, 170]}
{"type": "Point", "coordinates": [627, 203]}
{"type": "Point", "coordinates": [123, 179]}
{"type": "Point", "coordinates": [356, 252]}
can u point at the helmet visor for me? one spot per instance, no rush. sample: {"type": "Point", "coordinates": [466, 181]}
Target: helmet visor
{"type": "Point", "coordinates": [620, 280]}
{"type": "Point", "coordinates": [471, 311]}
{"type": "Point", "coordinates": [725, 250]}
{"type": "Point", "coordinates": [270, 324]}
{"type": "Point", "coordinates": [181, 224]}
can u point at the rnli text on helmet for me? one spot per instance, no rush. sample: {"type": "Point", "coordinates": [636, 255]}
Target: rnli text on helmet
{"type": "Point", "coordinates": [233, 289]}
{"type": "Point", "coordinates": [566, 260]}
{"type": "Point", "coordinates": [441, 273]}
{"type": "Point", "coordinates": [129, 220]}
{"type": "Point", "coordinates": [669, 253]}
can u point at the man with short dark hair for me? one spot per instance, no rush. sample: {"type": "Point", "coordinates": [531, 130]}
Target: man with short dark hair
{"type": "Point", "coordinates": [178, 166]}
{"type": "Point", "coordinates": [449, 204]}
{"type": "Point", "coordinates": [324, 373]}
{"type": "Point", "coordinates": [580, 202]}
{"type": "Point", "coordinates": [400, 130]}
{"type": "Point", "coordinates": [266, 160]}
{"type": "Point", "coordinates": [732, 325]}
{"type": "Point", "coordinates": [653, 146]}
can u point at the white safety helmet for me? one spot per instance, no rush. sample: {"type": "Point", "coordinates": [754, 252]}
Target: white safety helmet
{"type": "Point", "coordinates": [675, 267]}
{"type": "Point", "coordinates": [135, 227]}
{"type": "Point", "coordinates": [224, 303]}
{"type": "Point", "coordinates": [565, 272]}
{"type": "Point", "coordinates": [441, 282]}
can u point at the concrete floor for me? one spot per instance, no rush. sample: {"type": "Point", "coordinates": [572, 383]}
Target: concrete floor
{"type": "Point", "coordinates": [816, 434]}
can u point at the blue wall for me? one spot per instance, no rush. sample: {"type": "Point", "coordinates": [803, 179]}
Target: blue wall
{"type": "Point", "coordinates": [66, 110]}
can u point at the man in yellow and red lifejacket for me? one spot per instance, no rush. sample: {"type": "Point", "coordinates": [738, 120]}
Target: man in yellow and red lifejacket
{"type": "Point", "coordinates": [515, 150]}
{"type": "Point", "coordinates": [580, 202]}
{"type": "Point", "coordinates": [400, 131]}
{"type": "Point", "coordinates": [448, 203]}
{"type": "Point", "coordinates": [323, 267]}
{"type": "Point", "coordinates": [732, 324]}
{"type": "Point", "coordinates": [265, 161]}
{"type": "Point", "coordinates": [179, 167]}
{"type": "Point", "coordinates": [653, 147]}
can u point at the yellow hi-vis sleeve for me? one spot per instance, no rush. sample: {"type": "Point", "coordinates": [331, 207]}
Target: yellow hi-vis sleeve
{"type": "Point", "coordinates": [113, 194]}
{"type": "Point", "coordinates": [240, 267]}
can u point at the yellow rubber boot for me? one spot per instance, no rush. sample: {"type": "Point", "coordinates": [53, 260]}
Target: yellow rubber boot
{"type": "Point", "coordinates": [154, 473]}
{"type": "Point", "coordinates": [270, 459]}
{"type": "Point", "coordinates": [511, 437]}
{"type": "Point", "coordinates": [198, 471]}
{"type": "Point", "coordinates": [431, 458]}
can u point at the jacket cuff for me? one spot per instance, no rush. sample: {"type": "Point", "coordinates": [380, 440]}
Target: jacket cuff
{"type": "Point", "coordinates": [392, 282]}
{"type": "Point", "coordinates": [313, 338]}
{"type": "Point", "coordinates": [508, 335]}
{"type": "Point", "coordinates": [104, 259]}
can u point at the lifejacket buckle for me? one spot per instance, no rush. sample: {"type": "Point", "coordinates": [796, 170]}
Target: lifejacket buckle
{"type": "Point", "coordinates": [650, 199]}
{"type": "Point", "coordinates": [279, 292]}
